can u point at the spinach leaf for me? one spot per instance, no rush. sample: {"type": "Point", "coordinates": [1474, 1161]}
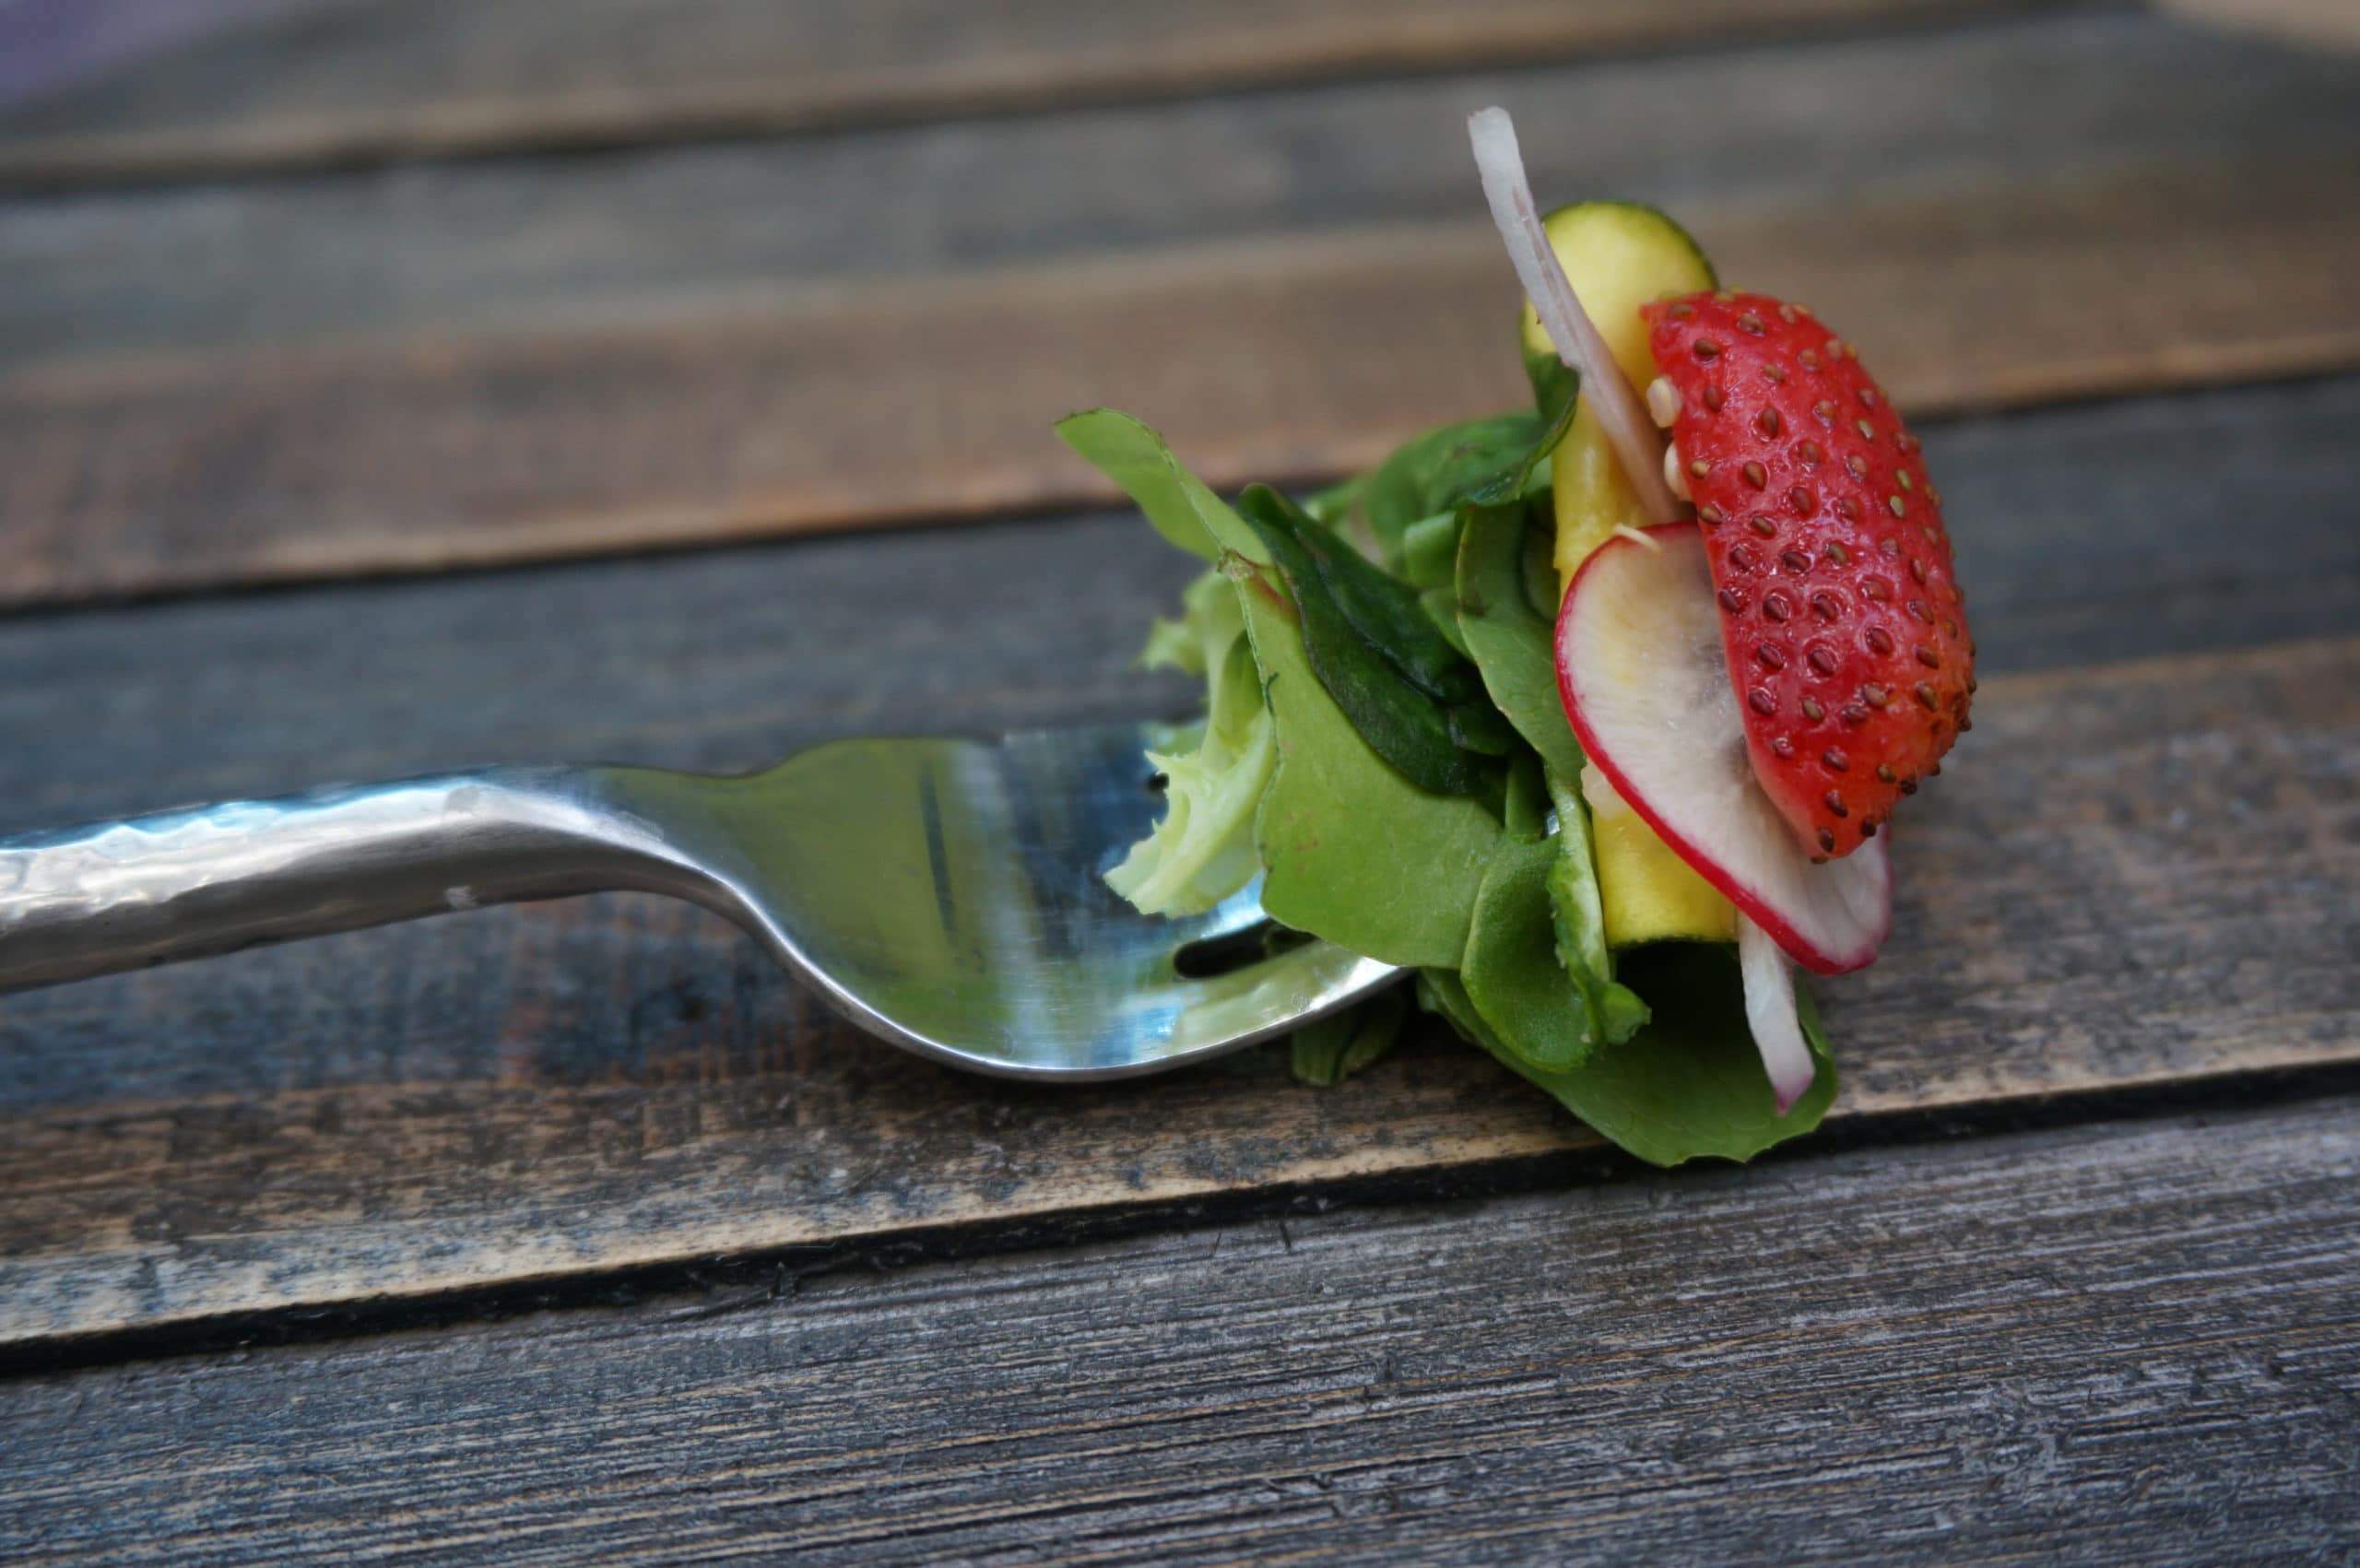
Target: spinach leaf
{"type": "Point", "coordinates": [1513, 645]}
{"type": "Point", "coordinates": [1327, 1052]}
{"type": "Point", "coordinates": [1480, 460]}
{"type": "Point", "coordinates": [1381, 608]}
{"type": "Point", "coordinates": [1371, 645]}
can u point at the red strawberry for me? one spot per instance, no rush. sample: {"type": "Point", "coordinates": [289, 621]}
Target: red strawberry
{"type": "Point", "coordinates": [1843, 629]}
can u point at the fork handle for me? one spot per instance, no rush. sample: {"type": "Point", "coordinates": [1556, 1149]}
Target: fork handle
{"type": "Point", "coordinates": [113, 896]}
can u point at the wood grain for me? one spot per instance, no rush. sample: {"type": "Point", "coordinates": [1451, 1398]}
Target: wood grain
{"type": "Point", "coordinates": [2318, 21]}
{"type": "Point", "coordinates": [671, 232]}
{"type": "Point", "coordinates": [2113, 1345]}
{"type": "Point", "coordinates": [867, 405]}
{"type": "Point", "coordinates": [530, 1094]}
{"type": "Point", "coordinates": [508, 362]}
{"type": "Point", "coordinates": [362, 83]}
{"type": "Point", "coordinates": [436, 251]}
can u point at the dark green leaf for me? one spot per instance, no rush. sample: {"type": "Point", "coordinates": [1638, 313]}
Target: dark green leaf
{"type": "Point", "coordinates": [1395, 711]}
{"type": "Point", "coordinates": [1543, 591]}
{"type": "Point", "coordinates": [1477, 726]}
{"type": "Point", "coordinates": [1525, 809]}
{"type": "Point", "coordinates": [1513, 646]}
{"type": "Point", "coordinates": [1379, 605]}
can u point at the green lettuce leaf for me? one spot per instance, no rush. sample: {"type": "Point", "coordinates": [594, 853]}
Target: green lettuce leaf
{"type": "Point", "coordinates": [1210, 621]}
{"type": "Point", "coordinates": [1688, 1084]}
{"type": "Point", "coordinates": [1203, 849]}
{"type": "Point", "coordinates": [1332, 1049]}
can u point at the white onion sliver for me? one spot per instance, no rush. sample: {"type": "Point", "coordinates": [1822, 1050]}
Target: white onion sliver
{"type": "Point", "coordinates": [1770, 1014]}
{"type": "Point", "coordinates": [1619, 413]}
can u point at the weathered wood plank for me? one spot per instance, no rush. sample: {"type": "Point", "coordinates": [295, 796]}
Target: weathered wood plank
{"type": "Point", "coordinates": [526, 359]}
{"type": "Point", "coordinates": [2086, 534]}
{"type": "Point", "coordinates": [445, 77]}
{"type": "Point", "coordinates": [2320, 21]}
{"type": "Point", "coordinates": [2136, 876]}
{"type": "Point", "coordinates": [870, 404]}
{"type": "Point", "coordinates": [507, 244]}
{"type": "Point", "coordinates": [2126, 1344]}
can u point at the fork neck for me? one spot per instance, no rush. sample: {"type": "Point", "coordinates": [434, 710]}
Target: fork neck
{"type": "Point", "coordinates": [108, 897]}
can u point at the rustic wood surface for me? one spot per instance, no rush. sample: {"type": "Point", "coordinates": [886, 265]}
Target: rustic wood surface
{"type": "Point", "coordinates": [2129, 1344]}
{"type": "Point", "coordinates": [395, 289]}
{"type": "Point", "coordinates": [440, 248]}
{"type": "Point", "coordinates": [2312, 21]}
{"type": "Point", "coordinates": [887, 403]}
{"type": "Point", "coordinates": [505, 362]}
{"type": "Point", "coordinates": [404, 78]}
{"type": "Point", "coordinates": [459, 1105]}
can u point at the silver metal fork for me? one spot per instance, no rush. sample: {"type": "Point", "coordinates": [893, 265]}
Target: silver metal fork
{"type": "Point", "coordinates": [946, 895]}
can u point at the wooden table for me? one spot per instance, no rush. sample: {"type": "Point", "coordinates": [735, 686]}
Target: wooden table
{"type": "Point", "coordinates": [574, 1230]}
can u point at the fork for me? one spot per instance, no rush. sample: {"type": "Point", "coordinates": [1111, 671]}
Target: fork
{"type": "Point", "coordinates": [945, 895]}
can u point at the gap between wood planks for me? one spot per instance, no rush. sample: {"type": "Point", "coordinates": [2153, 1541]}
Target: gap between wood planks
{"type": "Point", "coordinates": [426, 80]}
{"type": "Point", "coordinates": [180, 473]}
{"type": "Point", "coordinates": [722, 1284]}
{"type": "Point", "coordinates": [2115, 916]}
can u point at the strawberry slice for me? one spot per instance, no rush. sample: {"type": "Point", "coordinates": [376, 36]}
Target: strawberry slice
{"type": "Point", "coordinates": [1841, 624]}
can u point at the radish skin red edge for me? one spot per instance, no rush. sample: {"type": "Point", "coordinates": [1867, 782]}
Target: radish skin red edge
{"type": "Point", "coordinates": [1641, 672]}
{"type": "Point", "coordinates": [1762, 950]}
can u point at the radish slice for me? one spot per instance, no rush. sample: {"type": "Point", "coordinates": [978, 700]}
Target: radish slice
{"type": "Point", "coordinates": [1646, 684]}
{"type": "Point", "coordinates": [1620, 416]}
{"type": "Point", "coordinates": [1770, 1014]}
